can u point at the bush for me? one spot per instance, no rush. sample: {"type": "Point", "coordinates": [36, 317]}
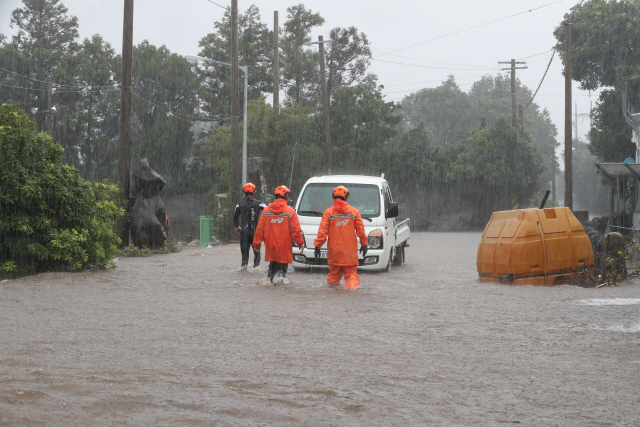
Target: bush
{"type": "Point", "coordinates": [50, 218]}
{"type": "Point", "coordinates": [223, 220]}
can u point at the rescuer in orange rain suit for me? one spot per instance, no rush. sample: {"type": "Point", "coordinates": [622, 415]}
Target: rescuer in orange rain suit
{"type": "Point", "coordinates": [341, 223]}
{"type": "Point", "coordinates": [278, 225]}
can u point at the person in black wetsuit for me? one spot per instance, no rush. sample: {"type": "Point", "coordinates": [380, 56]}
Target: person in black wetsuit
{"type": "Point", "coordinates": [249, 209]}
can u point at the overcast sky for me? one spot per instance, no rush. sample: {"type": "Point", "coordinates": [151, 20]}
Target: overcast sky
{"type": "Point", "coordinates": [422, 41]}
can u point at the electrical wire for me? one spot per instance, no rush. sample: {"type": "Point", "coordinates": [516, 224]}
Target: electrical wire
{"type": "Point", "coordinates": [185, 117]}
{"type": "Point", "coordinates": [430, 81]}
{"type": "Point", "coordinates": [540, 84]}
{"type": "Point", "coordinates": [106, 88]}
{"type": "Point", "coordinates": [435, 68]}
{"type": "Point", "coordinates": [435, 62]}
{"type": "Point", "coordinates": [472, 28]}
{"type": "Point", "coordinates": [224, 7]}
{"type": "Point", "coordinates": [44, 81]}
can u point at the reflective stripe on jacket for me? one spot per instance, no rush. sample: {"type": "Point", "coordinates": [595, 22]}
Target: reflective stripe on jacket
{"type": "Point", "coordinates": [341, 224]}
{"type": "Point", "coordinates": [277, 226]}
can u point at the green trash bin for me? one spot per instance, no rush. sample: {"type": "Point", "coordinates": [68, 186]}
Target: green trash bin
{"type": "Point", "coordinates": [206, 223]}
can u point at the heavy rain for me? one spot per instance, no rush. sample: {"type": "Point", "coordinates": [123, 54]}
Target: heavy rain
{"type": "Point", "coordinates": [329, 213]}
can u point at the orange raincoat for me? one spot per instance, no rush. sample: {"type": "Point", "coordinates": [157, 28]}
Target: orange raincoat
{"type": "Point", "coordinates": [341, 223]}
{"type": "Point", "coordinates": [278, 224]}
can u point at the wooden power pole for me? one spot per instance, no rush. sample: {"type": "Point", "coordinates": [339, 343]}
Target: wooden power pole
{"type": "Point", "coordinates": [513, 69]}
{"type": "Point", "coordinates": [568, 169]}
{"type": "Point", "coordinates": [276, 65]}
{"type": "Point", "coordinates": [325, 108]}
{"type": "Point", "coordinates": [236, 172]}
{"type": "Point", "coordinates": [124, 162]}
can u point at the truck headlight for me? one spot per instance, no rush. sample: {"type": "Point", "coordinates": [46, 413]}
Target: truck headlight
{"type": "Point", "coordinates": [375, 239]}
{"type": "Point", "coordinates": [300, 258]}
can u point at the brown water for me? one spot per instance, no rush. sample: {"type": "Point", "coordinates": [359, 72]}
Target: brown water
{"type": "Point", "coordinates": [186, 340]}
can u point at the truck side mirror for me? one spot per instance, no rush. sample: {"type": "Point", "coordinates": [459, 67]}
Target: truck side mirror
{"type": "Point", "coordinates": [392, 210]}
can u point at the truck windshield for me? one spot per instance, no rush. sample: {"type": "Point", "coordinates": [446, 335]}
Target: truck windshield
{"type": "Point", "coordinates": [318, 196]}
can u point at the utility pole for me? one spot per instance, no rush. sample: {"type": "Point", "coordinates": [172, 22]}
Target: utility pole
{"type": "Point", "coordinates": [325, 108]}
{"type": "Point", "coordinates": [513, 69]}
{"type": "Point", "coordinates": [521, 116]}
{"type": "Point", "coordinates": [124, 162]}
{"type": "Point", "coordinates": [276, 65]}
{"type": "Point", "coordinates": [575, 121]}
{"type": "Point", "coordinates": [49, 115]}
{"type": "Point", "coordinates": [236, 177]}
{"type": "Point", "coordinates": [568, 169]}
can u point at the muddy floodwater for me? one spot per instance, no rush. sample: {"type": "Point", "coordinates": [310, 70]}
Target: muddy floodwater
{"type": "Point", "coordinates": [188, 340]}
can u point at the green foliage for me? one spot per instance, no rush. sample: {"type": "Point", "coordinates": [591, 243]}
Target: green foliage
{"type": "Point", "coordinates": [498, 170]}
{"type": "Point", "coordinates": [223, 220]}
{"type": "Point", "coordinates": [132, 251]}
{"type": "Point", "coordinates": [605, 36]}
{"type": "Point", "coordinates": [610, 135]}
{"type": "Point", "coordinates": [361, 123]}
{"type": "Point", "coordinates": [300, 62]}
{"type": "Point", "coordinates": [50, 218]}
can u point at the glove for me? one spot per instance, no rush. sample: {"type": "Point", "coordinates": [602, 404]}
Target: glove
{"type": "Point", "coordinates": [316, 252]}
{"type": "Point", "coordinates": [363, 251]}
{"type": "Point", "coordinates": [301, 247]}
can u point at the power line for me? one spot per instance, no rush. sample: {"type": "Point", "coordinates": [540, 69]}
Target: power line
{"type": "Point", "coordinates": [185, 117]}
{"type": "Point", "coordinates": [543, 76]}
{"type": "Point", "coordinates": [86, 89]}
{"type": "Point", "coordinates": [436, 68]}
{"type": "Point", "coordinates": [224, 7]}
{"type": "Point", "coordinates": [435, 62]}
{"type": "Point", "coordinates": [472, 28]}
{"type": "Point", "coordinates": [537, 54]}
{"type": "Point", "coordinates": [52, 83]}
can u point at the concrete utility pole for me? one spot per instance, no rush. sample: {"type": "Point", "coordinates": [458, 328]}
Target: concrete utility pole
{"type": "Point", "coordinates": [513, 86]}
{"type": "Point", "coordinates": [124, 162]}
{"type": "Point", "coordinates": [568, 166]}
{"type": "Point", "coordinates": [276, 65]}
{"type": "Point", "coordinates": [236, 177]}
{"type": "Point", "coordinates": [325, 108]}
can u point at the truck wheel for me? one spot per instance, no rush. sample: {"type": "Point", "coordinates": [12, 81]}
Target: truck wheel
{"type": "Point", "coordinates": [390, 262]}
{"type": "Point", "coordinates": [398, 260]}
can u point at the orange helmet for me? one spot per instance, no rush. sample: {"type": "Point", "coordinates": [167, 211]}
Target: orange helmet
{"type": "Point", "coordinates": [282, 192]}
{"type": "Point", "coordinates": [249, 188]}
{"type": "Point", "coordinates": [341, 192]}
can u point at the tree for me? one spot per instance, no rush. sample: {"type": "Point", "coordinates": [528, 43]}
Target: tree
{"type": "Point", "coordinates": [300, 65]}
{"type": "Point", "coordinates": [46, 37]}
{"type": "Point", "coordinates": [164, 106]}
{"type": "Point", "coordinates": [498, 169]}
{"type": "Point", "coordinates": [255, 51]}
{"type": "Point", "coordinates": [445, 110]}
{"type": "Point", "coordinates": [610, 135]}
{"type": "Point", "coordinates": [348, 57]}
{"type": "Point", "coordinates": [50, 218]}
{"type": "Point", "coordinates": [604, 36]}
{"type": "Point", "coordinates": [288, 143]}
{"type": "Point", "coordinates": [361, 123]}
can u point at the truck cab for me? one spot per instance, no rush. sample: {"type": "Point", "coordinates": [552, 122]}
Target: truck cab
{"type": "Point", "coordinates": [387, 235]}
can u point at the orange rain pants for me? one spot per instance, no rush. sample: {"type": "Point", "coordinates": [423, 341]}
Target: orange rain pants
{"type": "Point", "coordinates": [350, 275]}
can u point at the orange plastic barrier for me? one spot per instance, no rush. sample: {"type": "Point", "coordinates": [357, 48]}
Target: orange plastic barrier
{"type": "Point", "coordinates": [534, 247]}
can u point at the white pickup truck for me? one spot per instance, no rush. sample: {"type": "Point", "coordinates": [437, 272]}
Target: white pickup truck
{"type": "Point", "coordinates": [388, 236]}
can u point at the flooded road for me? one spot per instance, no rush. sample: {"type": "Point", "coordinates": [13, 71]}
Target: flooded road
{"type": "Point", "coordinates": [187, 340]}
